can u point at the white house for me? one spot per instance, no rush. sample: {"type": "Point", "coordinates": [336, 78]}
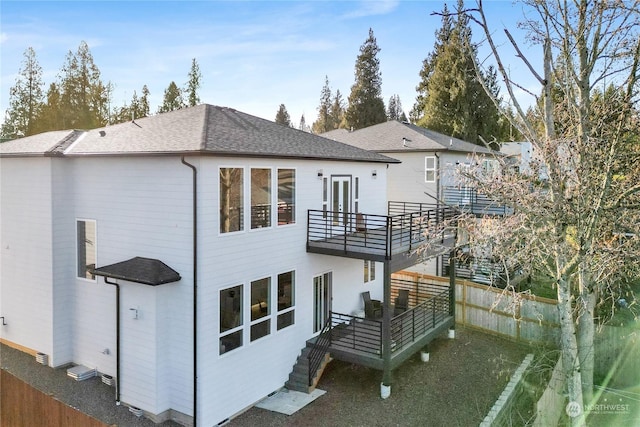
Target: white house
{"type": "Point", "coordinates": [191, 255]}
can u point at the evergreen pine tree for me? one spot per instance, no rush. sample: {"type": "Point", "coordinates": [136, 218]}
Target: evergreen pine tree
{"type": "Point", "coordinates": [337, 111]}
{"type": "Point", "coordinates": [50, 117]}
{"type": "Point", "coordinates": [282, 116]}
{"type": "Point", "coordinates": [172, 99]}
{"type": "Point", "coordinates": [25, 99]}
{"type": "Point", "coordinates": [366, 106]}
{"type": "Point", "coordinates": [194, 83]}
{"type": "Point", "coordinates": [324, 122]}
{"type": "Point", "coordinates": [303, 125]}
{"type": "Point", "coordinates": [450, 98]}
{"type": "Point", "coordinates": [83, 96]}
{"type": "Point", "coordinates": [394, 109]}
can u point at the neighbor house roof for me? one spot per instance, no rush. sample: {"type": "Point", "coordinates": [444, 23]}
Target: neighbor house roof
{"type": "Point", "coordinates": [203, 129]}
{"type": "Point", "coordinates": [147, 271]}
{"type": "Point", "coordinates": [394, 137]}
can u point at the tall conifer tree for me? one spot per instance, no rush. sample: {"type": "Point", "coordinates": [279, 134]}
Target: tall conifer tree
{"type": "Point", "coordinates": [366, 106]}
{"type": "Point", "coordinates": [450, 98]}
{"type": "Point", "coordinates": [194, 83]}
{"type": "Point", "coordinates": [172, 99]}
{"type": "Point", "coordinates": [25, 98]}
{"type": "Point", "coordinates": [282, 116]}
{"type": "Point", "coordinates": [83, 96]}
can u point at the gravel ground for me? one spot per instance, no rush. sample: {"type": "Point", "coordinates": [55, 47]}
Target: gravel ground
{"type": "Point", "coordinates": [90, 396]}
{"type": "Point", "coordinates": [457, 387]}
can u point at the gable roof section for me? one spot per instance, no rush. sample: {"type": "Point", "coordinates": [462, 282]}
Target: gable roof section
{"type": "Point", "coordinates": [394, 136]}
{"type": "Point", "coordinates": [204, 129]}
{"type": "Point", "coordinates": [147, 271]}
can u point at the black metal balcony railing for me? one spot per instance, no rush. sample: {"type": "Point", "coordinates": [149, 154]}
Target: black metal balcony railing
{"type": "Point", "coordinates": [356, 334]}
{"type": "Point", "coordinates": [483, 270]}
{"type": "Point", "coordinates": [468, 199]}
{"type": "Point", "coordinates": [407, 226]}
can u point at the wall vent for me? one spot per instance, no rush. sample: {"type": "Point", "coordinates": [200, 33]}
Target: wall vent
{"type": "Point", "coordinates": [42, 359]}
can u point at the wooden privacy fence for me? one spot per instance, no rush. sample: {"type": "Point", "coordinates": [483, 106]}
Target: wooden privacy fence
{"type": "Point", "coordinates": [23, 405]}
{"type": "Point", "coordinates": [520, 317]}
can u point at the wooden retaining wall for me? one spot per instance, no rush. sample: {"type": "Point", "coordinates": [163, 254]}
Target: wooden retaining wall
{"type": "Point", "coordinates": [23, 405]}
{"type": "Point", "coordinates": [519, 317]}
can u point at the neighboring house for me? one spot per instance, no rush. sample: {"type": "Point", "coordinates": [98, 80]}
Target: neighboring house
{"type": "Point", "coordinates": [192, 255]}
{"type": "Point", "coordinates": [521, 157]}
{"type": "Point", "coordinates": [427, 172]}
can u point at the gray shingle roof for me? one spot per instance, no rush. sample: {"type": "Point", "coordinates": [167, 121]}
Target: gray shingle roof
{"type": "Point", "coordinates": [204, 129]}
{"type": "Point", "coordinates": [147, 271]}
{"type": "Point", "coordinates": [394, 136]}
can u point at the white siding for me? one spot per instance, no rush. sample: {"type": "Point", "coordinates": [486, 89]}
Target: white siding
{"type": "Point", "coordinates": [407, 179]}
{"type": "Point", "coordinates": [26, 252]}
{"type": "Point", "coordinates": [237, 379]}
{"type": "Point", "coordinates": [142, 207]}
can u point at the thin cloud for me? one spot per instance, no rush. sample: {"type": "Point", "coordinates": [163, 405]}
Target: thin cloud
{"type": "Point", "coordinates": [372, 8]}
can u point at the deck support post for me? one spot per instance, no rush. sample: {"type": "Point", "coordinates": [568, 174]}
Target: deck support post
{"type": "Point", "coordinates": [386, 330]}
{"type": "Point", "coordinates": [452, 292]}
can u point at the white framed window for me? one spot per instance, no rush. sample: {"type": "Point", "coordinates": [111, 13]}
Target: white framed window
{"type": "Point", "coordinates": [260, 308]}
{"type": "Point", "coordinates": [231, 321]}
{"type": "Point", "coordinates": [260, 198]}
{"type": "Point", "coordinates": [231, 199]}
{"type": "Point", "coordinates": [286, 299]}
{"type": "Point", "coordinates": [369, 271]}
{"type": "Point", "coordinates": [430, 169]}
{"type": "Point", "coordinates": [286, 196]}
{"type": "Point", "coordinates": [86, 248]}
{"type": "Point", "coordinates": [325, 196]}
{"type": "Point", "coordinates": [356, 194]}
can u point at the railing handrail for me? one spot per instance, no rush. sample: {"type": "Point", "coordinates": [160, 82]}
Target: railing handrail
{"type": "Point", "coordinates": [319, 349]}
{"type": "Point", "coordinates": [383, 234]}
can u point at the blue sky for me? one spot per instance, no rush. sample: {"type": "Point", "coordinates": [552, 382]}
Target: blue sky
{"type": "Point", "coordinates": [253, 56]}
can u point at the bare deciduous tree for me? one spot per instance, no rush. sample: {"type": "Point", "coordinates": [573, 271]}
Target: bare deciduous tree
{"type": "Point", "coordinates": [576, 213]}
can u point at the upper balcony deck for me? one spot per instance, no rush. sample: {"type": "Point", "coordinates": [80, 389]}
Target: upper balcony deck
{"type": "Point", "coordinates": [469, 200]}
{"type": "Point", "coordinates": [381, 237]}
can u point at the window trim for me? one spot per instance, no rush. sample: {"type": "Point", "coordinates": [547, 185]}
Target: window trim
{"type": "Point", "coordinates": [271, 198]}
{"type": "Point", "coordinates": [243, 194]}
{"type": "Point", "coordinates": [295, 196]}
{"type": "Point", "coordinates": [292, 308]}
{"type": "Point", "coordinates": [239, 328]}
{"type": "Point", "coordinates": [267, 318]}
{"type": "Point", "coordinates": [428, 169]}
{"type": "Point", "coordinates": [95, 245]}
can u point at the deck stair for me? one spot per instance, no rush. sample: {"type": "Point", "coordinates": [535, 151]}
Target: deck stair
{"type": "Point", "coordinates": [299, 378]}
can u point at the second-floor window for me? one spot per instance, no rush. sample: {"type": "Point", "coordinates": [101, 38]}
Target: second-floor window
{"type": "Point", "coordinates": [430, 169]}
{"type": "Point", "coordinates": [286, 196]}
{"type": "Point", "coordinates": [260, 198]}
{"type": "Point", "coordinates": [231, 200]}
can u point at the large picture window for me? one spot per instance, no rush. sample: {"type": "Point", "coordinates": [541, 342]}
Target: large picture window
{"type": "Point", "coordinates": [286, 301]}
{"type": "Point", "coordinates": [230, 318]}
{"type": "Point", "coordinates": [86, 248]}
{"type": "Point", "coordinates": [231, 200]}
{"type": "Point", "coordinates": [260, 308]}
{"type": "Point", "coordinates": [286, 196]}
{"type": "Point", "coordinates": [260, 198]}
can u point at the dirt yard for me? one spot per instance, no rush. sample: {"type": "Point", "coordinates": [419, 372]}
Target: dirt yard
{"type": "Point", "coordinates": [457, 387]}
